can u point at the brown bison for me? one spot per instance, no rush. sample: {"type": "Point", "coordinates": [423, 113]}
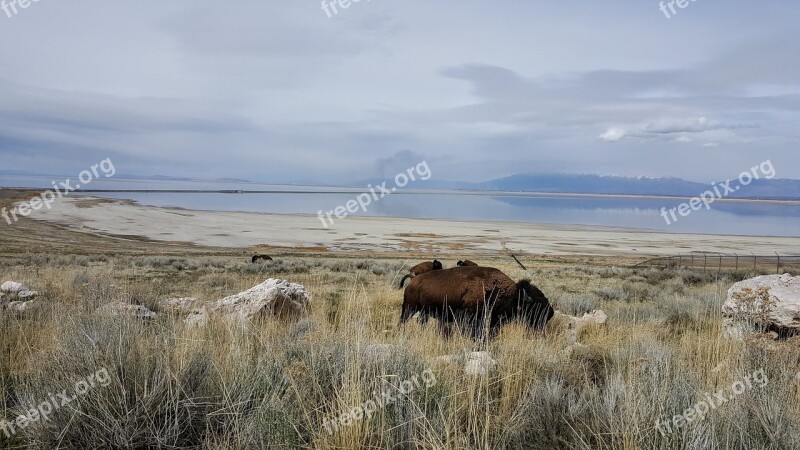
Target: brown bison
{"type": "Point", "coordinates": [419, 269]}
{"type": "Point", "coordinates": [471, 294]}
{"type": "Point", "coordinates": [466, 263]}
{"type": "Point", "coordinates": [261, 258]}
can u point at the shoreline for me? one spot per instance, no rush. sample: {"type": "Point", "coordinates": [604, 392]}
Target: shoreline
{"type": "Point", "coordinates": [351, 190]}
{"type": "Point", "coordinates": [126, 218]}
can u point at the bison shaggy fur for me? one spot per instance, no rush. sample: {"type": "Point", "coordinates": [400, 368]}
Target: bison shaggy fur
{"type": "Point", "coordinates": [473, 294]}
{"type": "Point", "coordinates": [257, 258]}
{"type": "Point", "coordinates": [419, 269]}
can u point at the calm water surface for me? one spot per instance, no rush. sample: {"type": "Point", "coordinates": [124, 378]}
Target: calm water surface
{"type": "Point", "coordinates": [753, 219]}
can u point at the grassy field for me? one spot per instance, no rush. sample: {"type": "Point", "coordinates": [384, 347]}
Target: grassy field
{"type": "Point", "coordinates": [277, 384]}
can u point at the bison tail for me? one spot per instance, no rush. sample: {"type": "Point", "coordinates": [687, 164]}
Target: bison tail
{"type": "Point", "coordinates": [403, 280]}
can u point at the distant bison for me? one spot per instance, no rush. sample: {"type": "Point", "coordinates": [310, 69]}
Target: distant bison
{"type": "Point", "coordinates": [466, 263]}
{"type": "Point", "coordinates": [470, 294]}
{"type": "Point", "coordinates": [261, 258]}
{"type": "Point", "coordinates": [419, 269]}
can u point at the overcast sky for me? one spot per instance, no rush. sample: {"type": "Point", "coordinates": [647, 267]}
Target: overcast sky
{"type": "Point", "coordinates": [279, 91]}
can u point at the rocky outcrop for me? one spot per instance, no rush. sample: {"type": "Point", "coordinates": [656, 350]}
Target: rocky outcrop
{"type": "Point", "coordinates": [573, 325]}
{"type": "Point", "coordinates": [182, 304]}
{"type": "Point", "coordinates": [765, 303]}
{"type": "Point", "coordinates": [596, 317]}
{"type": "Point", "coordinates": [27, 295]}
{"type": "Point", "coordinates": [21, 306]}
{"type": "Point", "coordinates": [736, 329]}
{"type": "Point", "coordinates": [197, 318]}
{"type": "Point", "coordinates": [20, 291]}
{"type": "Point", "coordinates": [12, 287]}
{"type": "Point", "coordinates": [272, 298]}
{"type": "Point", "coordinates": [121, 309]}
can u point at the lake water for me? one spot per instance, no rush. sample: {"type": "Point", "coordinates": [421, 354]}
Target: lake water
{"type": "Point", "coordinates": [734, 218]}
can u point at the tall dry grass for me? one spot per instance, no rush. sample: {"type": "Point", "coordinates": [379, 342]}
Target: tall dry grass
{"type": "Point", "coordinates": [273, 384]}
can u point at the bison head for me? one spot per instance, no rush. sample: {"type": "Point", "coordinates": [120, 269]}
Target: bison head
{"type": "Point", "coordinates": [437, 265]}
{"type": "Point", "coordinates": [533, 306]}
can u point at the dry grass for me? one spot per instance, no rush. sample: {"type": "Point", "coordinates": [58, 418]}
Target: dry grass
{"type": "Point", "coordinates": [271, 385]}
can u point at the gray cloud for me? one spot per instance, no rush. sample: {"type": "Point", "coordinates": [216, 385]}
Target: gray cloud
{"type": "Point", "coordinates": [280, 92]}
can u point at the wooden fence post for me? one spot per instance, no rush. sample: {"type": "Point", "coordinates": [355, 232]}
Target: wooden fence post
{"type": "Point", "coordinates": [520, 264]}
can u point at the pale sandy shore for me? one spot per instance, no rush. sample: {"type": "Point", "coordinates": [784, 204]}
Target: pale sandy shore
{"type": "Point", "coordinates": [226, 229]}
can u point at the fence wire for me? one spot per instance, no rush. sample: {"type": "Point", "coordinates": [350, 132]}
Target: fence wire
{"type": "Point", "coordinates": [719, 262]}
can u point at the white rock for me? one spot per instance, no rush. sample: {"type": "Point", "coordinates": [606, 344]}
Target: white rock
{"type": "Point", "coordinates": [597, 317]}
{"type": "Point", "coordinates": [12, 287]}
{"type": "Point", "coordinates": [773, 335]}
{"type": "Point", "coordinates": [779, 306]}
{"type": "Point", "coordinates": [577, 324]}
{"type": "Point", "coordinates": [197, 318]}
{"type": "Point", "coordinates": [21, 306]}
{"type": "Point", "coordinates": [27, 295]}
{"type": "Point", "coordinates": [182, 304]}
{"type": "Point", "coordinates": [475, 363]}
{"type": "Point", "coordinates": [572, 348]}
{"type": "Point", "coordinates": [734, 329]}
{"type": "Point", "coordinates": [126, 309]}
{"type": "Point", "coordinates": [271, 298]}
{"type": "Point", "coordinates": [479, 363]}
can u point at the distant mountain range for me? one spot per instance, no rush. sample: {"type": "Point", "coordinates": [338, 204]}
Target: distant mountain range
{"type": "Point", "coordinates": [559, 183]}
{"type": "Point", "coordinates": [615, 185]}
{"type": "Point", "coordinates": [597, 184]}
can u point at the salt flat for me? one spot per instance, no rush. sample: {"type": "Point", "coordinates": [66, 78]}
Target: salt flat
{"type": "Point", "coordinates": [241, 229]}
